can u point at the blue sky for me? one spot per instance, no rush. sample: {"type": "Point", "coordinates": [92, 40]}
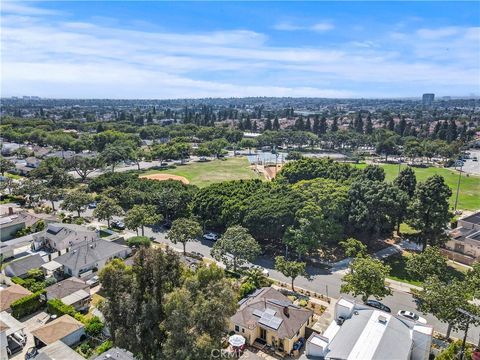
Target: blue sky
{"type": "Point", "coordinates": [135, 49]}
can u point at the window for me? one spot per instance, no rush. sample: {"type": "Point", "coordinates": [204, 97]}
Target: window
{"type": "Point", "coordinates": [237, 329]}
{"type": "Point", "coordinates": [243, 330]}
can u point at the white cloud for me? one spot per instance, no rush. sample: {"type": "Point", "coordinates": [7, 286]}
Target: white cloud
{"type": "Point", "coordinates": [101, 59]}
{"type": "Point", "coordinates": [439, 33]}
{"type": "Point", "coordinates": [288, 26]}
{"type": "Point", "coordinates": [323, 26]}
{"type": "Point", "coordinates": [15, 7]}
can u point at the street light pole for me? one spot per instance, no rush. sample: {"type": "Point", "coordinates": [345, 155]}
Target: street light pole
{"type": "Point", "coordinates": [458, 186]}
{"type": "Point", "coordinates": [470, 318]}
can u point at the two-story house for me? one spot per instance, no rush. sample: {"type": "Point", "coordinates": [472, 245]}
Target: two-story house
{"type": "Point", "coordinates": [464, 243]}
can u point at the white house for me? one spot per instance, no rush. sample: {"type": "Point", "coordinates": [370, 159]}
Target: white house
{"type": "Point", "coordinates": [92, 256]}
{"type": "Point", "coordinates": [361, 332]}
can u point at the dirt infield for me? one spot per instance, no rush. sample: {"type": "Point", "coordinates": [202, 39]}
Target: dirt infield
{"type": "Point", "coordinates": [162, 177]}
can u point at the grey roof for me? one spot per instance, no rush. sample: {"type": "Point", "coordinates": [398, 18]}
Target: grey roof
{"type": "Point", "coordinates": [269, 308]}
{"type": "Point", "coordinates": [66, 235]}
{"type": "Point", "coordinates": [474, 218]}
{"type": "Point", "coordinates": [65, 288]}
{"type": "Point", "coordinates": [395, 339]}
{"type": "Point", "coordinates": [89, 253]}
{"type": "Point", "coordinates": [21, 266]}
{"type": "Point", "coordinates": [58, 350]}
{"type": "Point", "coordinates": [117, 354]}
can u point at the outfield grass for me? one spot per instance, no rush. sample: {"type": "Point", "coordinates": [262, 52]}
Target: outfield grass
{"type": "Point", "coordinates": [205, 173]}
{"type": "Point", "coordinates": [469, 197]}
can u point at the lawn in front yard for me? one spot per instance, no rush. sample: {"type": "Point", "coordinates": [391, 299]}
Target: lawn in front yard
{"type": "Point", "coordinates": [205, 173]}
{"type": "Point", "coordinates": [469, 197]}
{"type": "Point", "coordinates": [398, 264]}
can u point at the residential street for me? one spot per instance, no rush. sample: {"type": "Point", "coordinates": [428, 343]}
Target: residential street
{"type": "Point", "coordinates": [325, 283]}
{"type": "Point", "coordinates": [322, 281]}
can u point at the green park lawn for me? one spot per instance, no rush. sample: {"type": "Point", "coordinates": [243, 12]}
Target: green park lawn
{"type": "Point", "coordinates": [398, 264]}
{"type": "Point", "coordinates": [469, 197]}
{"type": "Point", "coordinates": [205, 173]}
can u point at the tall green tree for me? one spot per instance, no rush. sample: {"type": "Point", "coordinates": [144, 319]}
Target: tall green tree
{"type": "Point", "coordinates": [366, 278]}
{"type": "Point", "coordinates": [290, 269]}
{"type": "Point", "coordinates": [115, 153]}
{"type": "Point", "coordinates": [140, 216]}
{"type": "Point", "coordinates": [235, 247]}
{"type": "Point", "coordinates": [407, 181]}
{"type": "Point", "coordinates": [106, 209]}
{"type": "Point", "coordinates": [429, 210]}
{"type": "Point", "coordinates": [83, 166]}
{"type": "Point", "coordinates": [429, 263]}
{"type": "Point", "coordinates": [76, 200]}
{"type": "Point", "coordinates": [184, 230]}
{"type": "Point", "coordinates": [5, 165]}
{"type": "Point", "coordinates": [442, 300]}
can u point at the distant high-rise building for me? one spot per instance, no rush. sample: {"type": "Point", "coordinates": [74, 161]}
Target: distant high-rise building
{"type": "Point", "coordinates": [427, 99]}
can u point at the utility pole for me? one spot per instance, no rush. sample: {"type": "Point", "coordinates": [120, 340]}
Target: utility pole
{"type": "Point", "coordinates": [471, 317]}
{"type": "Point", "coordinates": [458, 186]}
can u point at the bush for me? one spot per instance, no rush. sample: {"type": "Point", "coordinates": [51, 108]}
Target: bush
{"type": "Point", "coordinates": [246, 288]}
{"type": "Point", "coordinates": [94, 326]}
{"type": "Point", "coordinates": [453, 350]}
{"type": "Point", "coordinates": [18, 281]}
{"type": "Point", "coordinates": [57, 307]}
{"type": "Point", "coordinates": [303, 303]}
{"type": "Point", "coordinates": [28, 304]}
{"type": "Point", "coordinates": [139, 241]}
{"type": "Point", "coordinates": [107, 345]}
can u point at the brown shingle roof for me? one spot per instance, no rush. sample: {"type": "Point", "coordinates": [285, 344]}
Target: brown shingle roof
{"type": "Point", "coordinates": [66, 287]}
{"type": "Point", "coordinates": [269, 298]}
{"type": "Point", "coordinates": [12, 294]}
{"type": "Point", "coordinates": [57, 329]}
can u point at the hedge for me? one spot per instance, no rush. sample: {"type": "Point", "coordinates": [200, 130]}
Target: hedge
{"type": "Point", "coordinates": [28, 304]}
{"type": "Point", "coordinates": [57, 307]}
{"type": "Point", "coordinates": [139, 241]}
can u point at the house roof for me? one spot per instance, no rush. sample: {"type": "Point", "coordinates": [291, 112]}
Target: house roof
{"type": "Point", "coordinates": [474, 218]}
{"type": "Point", "coordinates": [23, 265]}
{"type": "Point", "coordinates": [75, 297]}
{"type": "Point", "coordinates": [57, 329]}
{"type": "Point", "coordinates": [92, 252]}
{"type": "Point", "coordinates": [18, 218]}
{"type": "Point", "coordinates": [67, 235]}
{"type": "Point", "coordinates": [58, 350]}
{"type": "Point", "coordinates": [65, 288]}
{"type": "Point", "coordinates": [12, 294]}
{"type": "Point", "coordinates": [117, 354]}
{"type": "Point", "coordinates": [272, 310]}
{"type": "Point", "coordinates": [10, 324]}
{"type": "Point", "coordinates": [372, 334]}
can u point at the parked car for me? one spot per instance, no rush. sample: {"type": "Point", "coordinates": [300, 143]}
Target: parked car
{"type": "Point", "coordinates": [262, 269]}
{"type": "Point", "coordinates": [378, 305]}
{"type": "Point", "coordinates": [94, 281]}
{"type": "Point", "coordinates": [117, 224]}
{"type": "Point", "coordinates": [412, 316]}
{"type": "Point", "coordinates": [474, 158]}
{"type": "Point", "coordinates": [211, 236]}
{"type": "Point", "coordinates": [92, 205]}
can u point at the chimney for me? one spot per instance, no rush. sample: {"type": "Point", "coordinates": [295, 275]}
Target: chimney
{"type": "Point", "coordinates": [285, 311]}
{"type": "Point", "coordinates": [10, 210]}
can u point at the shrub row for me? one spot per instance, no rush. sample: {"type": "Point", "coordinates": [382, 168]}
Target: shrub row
{"type": "Point", "coordinates": [28, 304]}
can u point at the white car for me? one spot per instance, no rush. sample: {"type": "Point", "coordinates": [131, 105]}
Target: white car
{"type": "Point", "coordinates": [263, 270]}
{"type": "Point", "coordinates": [210, 236]}
{"type": "Point", "coordinates": [412, 316]}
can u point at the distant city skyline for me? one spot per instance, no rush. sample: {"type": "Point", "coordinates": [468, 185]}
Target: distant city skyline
{"type": "Point", "coordinates": [166, 50]}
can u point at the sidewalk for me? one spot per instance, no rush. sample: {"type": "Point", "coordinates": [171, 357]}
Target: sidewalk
{"type": "Point", "coordinates": [401, 286]}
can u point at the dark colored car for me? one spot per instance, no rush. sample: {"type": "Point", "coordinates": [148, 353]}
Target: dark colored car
{"type": "Point", "coordinates": [117, 224]}
{"type": "Point", "coordinates": [378, 305]}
